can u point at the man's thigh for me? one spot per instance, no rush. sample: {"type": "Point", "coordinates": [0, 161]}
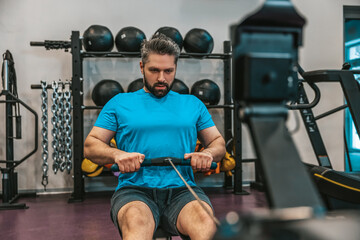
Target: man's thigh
{"type": "Point", "coordinates": [123, 199]}
{"type": "Point", "coordinates": [170, 216]}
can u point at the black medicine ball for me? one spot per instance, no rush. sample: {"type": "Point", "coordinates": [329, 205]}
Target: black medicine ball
{"type": "Point", "coordinates": [198, 41]}
{"type": "Point", "coordinates": [180, 87]}
{"type": "Point", "coordinates": [105, 90]}
{"type": "Point", "coordinates": [135, 85]}
{"type": "Point", "coordinates": [173, 34]}
{"type": "Point", "coordinates": [207, 91]}
{"type": "Point", "coordinates": [98, 38]}
{"type": "Point", "coordinates": [129, 39]}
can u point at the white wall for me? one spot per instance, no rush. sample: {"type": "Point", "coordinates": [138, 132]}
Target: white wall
{"type": "Point", "coordinates": [22, 21]}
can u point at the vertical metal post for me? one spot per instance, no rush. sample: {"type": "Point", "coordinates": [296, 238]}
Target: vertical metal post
{"type": "Point", "coordinates": [7, 180]}
{"type": "Point", "coordinates": [238, 150]}
{"type": "Point", "coordinates": [77, 98]}
{"type": "Point", "coordinates": [227, 101]}
{"type": "Point", "coordinates": [313, 130]}
{"type": "Point", "coordinates": [5, 189]}
{"type": "Point", "coordinates": [9, 124]}
{"type": "Point", "coordinates": [351, 91]}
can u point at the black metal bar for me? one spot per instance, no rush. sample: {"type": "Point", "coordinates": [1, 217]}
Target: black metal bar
{"type": "Point", "coordinates": [49, 86]}
{"type": "Point", "coordinates": [351, 91]}
{"type": "Point", "coordinates": [206, 56]}
{"type": "Point", "coordinates": [77, 98]}
{"type": "Point", "coordinates": [209, 106]}
{"type": "Point", "coordinates": [249, 160]}
{"type": "Point", "coordinates": [225, 106]}
{"type": "Point", "coordinates": [227, 93]}
{"type": "Point", "coordinates": [8, 101]}
{"type": "Point", "coordinates": [325, 114]}
{"type": "Point", "coordinates": [163, 161]}
{"type": "Point", "coordinates": [9, 144]}
{"type": "Point", "coordinates": [137, 55]}
{"type": "Point", "coordinates": [347, 152]}
{"type": "Point", "coordinates": [9, 129]}
{"type": "Point", "coordinates": [52, 44]}
{"type": "Point", "coordinates": [238, 181]}
{"type": "Point", "coordinates": [313, 130]}
{"type": "Point", "coordinates": [309, 105]}
{"type": "Point", "coordinates": [91, 107]}
{"type": "Point", "coordinates": [37, 44]}
{"type": "Point", "coordinates": [227, 102]}
{"type": "Point", "coordinates": [7, 161]}
{"type": "Point", "coordinates": [109, 54]}
{"type": "Point", "coordinates": [18, 162]}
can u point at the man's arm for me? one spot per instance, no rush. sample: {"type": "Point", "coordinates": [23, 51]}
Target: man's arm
{"type": "Point", "coordinates": [214, 151]}
{"type": "Point", "coordinates": [98, 150]}
{"type": "Point", "coordinates": [213, 143]}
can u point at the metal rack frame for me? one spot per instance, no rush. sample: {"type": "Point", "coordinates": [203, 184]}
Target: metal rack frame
{"type": "Point", "coordinates": [78, 107]}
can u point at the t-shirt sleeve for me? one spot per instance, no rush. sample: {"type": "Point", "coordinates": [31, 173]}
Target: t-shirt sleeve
{"type": "Point", "coordinates": [205, 120]}
{"type": "Point", "coordinates": [107, 117]}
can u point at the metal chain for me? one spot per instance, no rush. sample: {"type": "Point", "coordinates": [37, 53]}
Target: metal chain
{"type": "Point", "coordinates": [61, 133]}
{"type": "Point", "coordinates": [68, 130]}
{"type": "Point", "coordinates": [54, 121]}
{"type": "Point", "coordinates": [44, 133]}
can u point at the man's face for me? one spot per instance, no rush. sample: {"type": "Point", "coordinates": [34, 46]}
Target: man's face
{"type": "Point", "coordinates": [159, 74]}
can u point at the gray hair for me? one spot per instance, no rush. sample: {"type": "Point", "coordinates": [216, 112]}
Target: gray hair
{"type": "Point", "coordinates": [159, 44]}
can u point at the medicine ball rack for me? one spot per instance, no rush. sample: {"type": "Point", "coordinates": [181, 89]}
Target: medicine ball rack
{"type": "Point", "coordinates": [78, 55]}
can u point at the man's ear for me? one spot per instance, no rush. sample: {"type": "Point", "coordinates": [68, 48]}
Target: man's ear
{"type": "Point", "coordinates": [142, 67]}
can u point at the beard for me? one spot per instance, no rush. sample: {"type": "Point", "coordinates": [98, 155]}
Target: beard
{"type": "Point", "coordinates": [159, 93]}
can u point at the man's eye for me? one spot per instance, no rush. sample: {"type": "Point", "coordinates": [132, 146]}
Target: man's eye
{"type": "Point", "coordinates": [169, 71]}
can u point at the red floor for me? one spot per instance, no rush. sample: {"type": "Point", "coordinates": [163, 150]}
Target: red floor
{"type": "Point", "coordinates": [52, 217]}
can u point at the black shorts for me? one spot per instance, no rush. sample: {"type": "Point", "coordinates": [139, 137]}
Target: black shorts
{"type": "Point", "coordinates": [165, 204]}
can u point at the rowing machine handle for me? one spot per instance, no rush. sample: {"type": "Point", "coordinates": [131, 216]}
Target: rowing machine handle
{"type": "Point", "coordinates": [163, 161]}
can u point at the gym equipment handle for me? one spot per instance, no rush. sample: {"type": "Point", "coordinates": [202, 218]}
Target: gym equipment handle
{"type": "Point", "coordinates": [50, 44]}
{"type": "Point", "coordinates": [37, 44]}
{"type": "Point", "coordinates": [163, 161]}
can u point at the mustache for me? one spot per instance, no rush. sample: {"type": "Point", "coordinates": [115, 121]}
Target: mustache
{"type": "Point", "coordinates": [161, 84]}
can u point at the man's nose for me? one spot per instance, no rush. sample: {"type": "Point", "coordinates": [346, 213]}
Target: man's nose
{"type": "Point", "coordinates": [161, 77]}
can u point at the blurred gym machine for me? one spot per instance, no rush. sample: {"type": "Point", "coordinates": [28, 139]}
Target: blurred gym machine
{"type": "Point", "coordinates": [340, 190]}
{"type": "Point", "coordinates": [12, 102]}
{"type": "Point", "coordinates": [265, 56]}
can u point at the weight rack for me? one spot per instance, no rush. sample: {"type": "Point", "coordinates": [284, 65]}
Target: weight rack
{"type": "Point", "coordinates": [78, 55]}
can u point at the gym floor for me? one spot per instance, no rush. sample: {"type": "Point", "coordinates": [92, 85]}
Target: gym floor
{"type": "Point", "coordinates": [52, 217]}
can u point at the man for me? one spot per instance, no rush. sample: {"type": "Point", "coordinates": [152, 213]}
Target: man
{"type": "Point", "coordinates": [151, 123]}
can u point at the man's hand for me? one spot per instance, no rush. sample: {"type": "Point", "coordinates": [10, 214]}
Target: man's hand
{"type": "Point", "coordinates": [129, 162]}
{"type": "Point", "coordinates": [200, 161]}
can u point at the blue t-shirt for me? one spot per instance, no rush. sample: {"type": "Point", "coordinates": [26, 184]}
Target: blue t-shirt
{"type": "Point", "coordinates": [155, 127]}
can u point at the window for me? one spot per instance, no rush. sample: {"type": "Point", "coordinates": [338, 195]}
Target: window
{"type": "Point", "coordinates": [352, 56]}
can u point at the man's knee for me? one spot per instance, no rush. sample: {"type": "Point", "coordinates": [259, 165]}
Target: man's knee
{"type": "Point", "coordinates": [193, 219]}
{"type": "Point", "coordinates": [135, 214]}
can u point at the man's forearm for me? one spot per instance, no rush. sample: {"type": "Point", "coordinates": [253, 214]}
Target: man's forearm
{"type": "Point", "coordinates": [99, 152]}
{"type": "Point", "coordinates": [216, 148]}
